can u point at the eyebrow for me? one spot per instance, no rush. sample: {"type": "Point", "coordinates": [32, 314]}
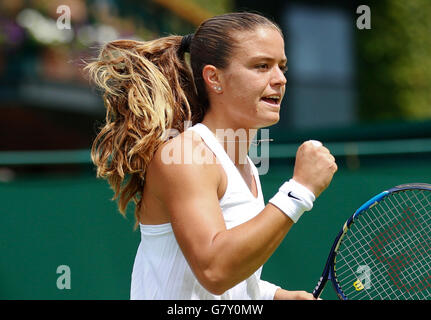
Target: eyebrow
{"type": "Point", "coordinates": [266, 58]}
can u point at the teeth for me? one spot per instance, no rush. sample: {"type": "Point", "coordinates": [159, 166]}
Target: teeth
{"type": "Point", "coordinates": [273, 97]}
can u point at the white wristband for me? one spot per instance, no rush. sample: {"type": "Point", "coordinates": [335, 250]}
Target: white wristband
{"type": "Point", "coordinates": [293, 199]}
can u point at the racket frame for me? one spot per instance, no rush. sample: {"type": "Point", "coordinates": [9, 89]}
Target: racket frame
{"type": "Point", "coordinates": [329, 271]}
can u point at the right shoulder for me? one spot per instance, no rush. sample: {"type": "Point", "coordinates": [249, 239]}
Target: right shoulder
{"type": "Point", "coordinates": [182, 151]}
{"type": "Point", "coordinates": [174, 169]}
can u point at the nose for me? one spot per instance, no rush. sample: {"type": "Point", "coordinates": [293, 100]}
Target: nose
{"type": "Point", "coordinates": [278, 77]}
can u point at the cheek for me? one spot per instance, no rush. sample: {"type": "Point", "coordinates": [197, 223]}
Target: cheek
{"type": "Point", "coordinates": [247, 83]}
{"type": "Point", "coordinates": [248, 102]}
{"type": "Point", "coordinates": [245, 91]}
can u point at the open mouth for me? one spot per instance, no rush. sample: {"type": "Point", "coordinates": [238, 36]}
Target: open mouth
{"type": "Point", "coordinates": [273, 100]}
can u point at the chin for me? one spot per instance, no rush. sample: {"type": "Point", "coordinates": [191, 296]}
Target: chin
{"type": "Point", "coordinates": [271, 121]}
{"type": "Point", "coordinates": [266, 123]}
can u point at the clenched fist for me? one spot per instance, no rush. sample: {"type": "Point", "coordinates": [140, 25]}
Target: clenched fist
{"type": "Point", "coordinates": [314, 166]}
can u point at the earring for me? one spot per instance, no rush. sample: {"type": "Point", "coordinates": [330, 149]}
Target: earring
{"type": "Point", "coordinates": [217, 88]}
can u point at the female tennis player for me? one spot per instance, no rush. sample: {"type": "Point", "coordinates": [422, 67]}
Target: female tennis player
{"type": "Point", "coordinates": [205, 229]}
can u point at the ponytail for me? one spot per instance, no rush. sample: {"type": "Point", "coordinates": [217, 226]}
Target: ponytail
{"type": "Point", "coordinates": [147, 90]}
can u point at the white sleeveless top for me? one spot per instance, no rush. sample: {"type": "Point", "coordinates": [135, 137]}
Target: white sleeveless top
{"type": "Point", "coordinates": [160, 270]}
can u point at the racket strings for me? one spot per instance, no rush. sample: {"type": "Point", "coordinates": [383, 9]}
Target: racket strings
{"type": "Point", "coordinates": [421, 245]}
{"type": "Point", "coordinates": [388, 250]}
{"type": "Point", "coordinates": [412, 261]}
{"type": "Point", "coordinates": [357, 254]}
{"type": "Point", "coordinates": [399, 257]}
{"type": "Point", "coordinates": [375, 227]}
{"type": "Point", "coordinates": [396, 259]}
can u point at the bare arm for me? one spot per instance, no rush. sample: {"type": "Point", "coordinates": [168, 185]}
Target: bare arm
{"type": "Point", "coordinates": [219, 258]}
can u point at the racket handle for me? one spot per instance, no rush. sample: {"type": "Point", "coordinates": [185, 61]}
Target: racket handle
{"type": "Point", "coordinates": [319, 288]}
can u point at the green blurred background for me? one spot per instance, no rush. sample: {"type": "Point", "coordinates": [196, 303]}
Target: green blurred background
{"type": "Point", "coordinates": [366, 93]}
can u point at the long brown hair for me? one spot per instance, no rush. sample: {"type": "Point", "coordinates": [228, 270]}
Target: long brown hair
{"type": "Point", "coordinates": [148, 88]}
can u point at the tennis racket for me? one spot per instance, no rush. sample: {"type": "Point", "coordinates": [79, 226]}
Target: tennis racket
{"type": "Point", "coordinates": [383, 251]}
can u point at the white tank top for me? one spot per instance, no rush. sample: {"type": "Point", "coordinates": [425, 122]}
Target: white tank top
{"type": "Point", "coordinates": [160, 270]}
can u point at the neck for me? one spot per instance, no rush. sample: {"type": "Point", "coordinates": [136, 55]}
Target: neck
{"type": "Point", "coordinates": [235, 140]}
